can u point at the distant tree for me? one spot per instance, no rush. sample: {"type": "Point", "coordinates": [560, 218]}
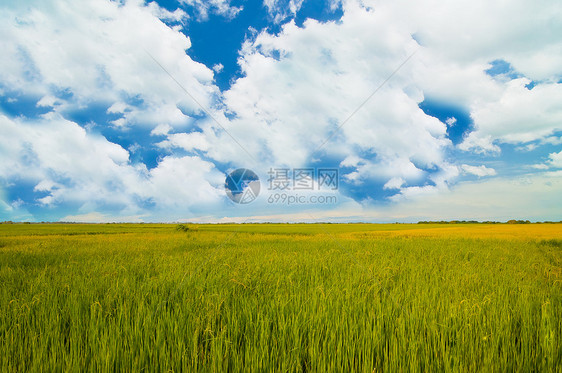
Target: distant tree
{"type": "Point", "coordinates": [513, 221]}
{"type": "Point", "coordinates": [182, 228]}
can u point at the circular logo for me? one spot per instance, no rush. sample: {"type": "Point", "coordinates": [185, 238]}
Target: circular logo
{"type": "Point", "coordinates": [242, 186]}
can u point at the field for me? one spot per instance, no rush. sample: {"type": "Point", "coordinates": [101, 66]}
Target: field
{"type": "Point", "coordinates": [281, 297]}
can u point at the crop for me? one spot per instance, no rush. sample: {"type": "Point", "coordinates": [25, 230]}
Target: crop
{"type": "Point", "coordinates": [281, 297]}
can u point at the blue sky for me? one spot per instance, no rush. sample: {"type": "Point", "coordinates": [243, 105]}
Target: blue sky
{"type": "Point", "coordinates": [137, 111]}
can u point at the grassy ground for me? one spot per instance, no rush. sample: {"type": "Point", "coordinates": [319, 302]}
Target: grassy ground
{"type": "Point", "coordinates": [281, 297]}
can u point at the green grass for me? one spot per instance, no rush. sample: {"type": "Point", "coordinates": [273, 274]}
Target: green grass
{"type": "Point", "coordinates": [280, 297]}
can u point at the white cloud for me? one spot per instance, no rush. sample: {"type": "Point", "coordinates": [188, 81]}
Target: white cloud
{"type": "Point", "coordinates": [47, 101]}
{"type": "Point", "coordinates": [118, 107]}
{"type": "Point", "coordinates": [177, 16]}
{"type": "Point", "coordinates": [46, 185]}
{"type": "Point", "coordinates": [186, 141]}
{"type": "Point", "coordinates": [280, 10]}
{"type": "Point", "coordinates": [77, 167]}
{"type": "Point", "coordinates": [451, 65]}
{"type": "Point", "coordinates": [519, 115]}
{"type": "Point", "coordinates": [526, 34]}
{"type": "Point", "coordinates": [394, 183]}
{"type": "Point", "coordinates": [218, 67]}
{"type": "Point", "coordinates": [161, 130]}
{"type": "Point", "coordinates": [479, 171]}
{"type": "Point", "coordinates": [555, 159]}
{"type": "Point", "coordinates": [553, 140]}
{"type": "Point", "coordinates": [54, 147]}
{"type": "Point", "coordinates": [300, 85]}
{"type": "Point", "coordinates": [540, 166]}
{"type": "Point", "coordinates": [107, 50]}
{"type": "Point", "coordinates": [186, 182]}
{"type": "Point", "coordinates": [222, 7]}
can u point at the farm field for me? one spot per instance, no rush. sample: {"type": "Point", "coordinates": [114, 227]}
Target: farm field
{"type": "Point", "coordinates": [281, 297]}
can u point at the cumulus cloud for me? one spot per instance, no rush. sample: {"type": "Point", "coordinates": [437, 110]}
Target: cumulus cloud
{"type": "Point", "coordinates": [221, 7]}
{"type": "Point", "coordinates": [460, 40]}
{"type": "Point", "coordinates": [457, 53]}
{"type": "Point", "coordinates": [280, 10]}
{"type": "Point", "coordinates": [161, 129]}
{"type": "Point", "coordinates": [479, 171]}
{"type": "Point", "coordinates": [306, 80]}
{"type": "Point", "coordinates": [47, 101]}
{"type": "Point", "coordinates": [186, 141]}
{"type": "Point", "coordinates": [118, 107]}
{"type": "Point", "coordinates": [394, 183]}
{"type": "Point", "coordinates": [519, 115]}
{"type": "Point", "coordinates": [554, 161]}
{"type": "Point", "coordinates": [108, 51]}
{"type": "Point", "coordinates": [470, 32]}
{"type": "Point", "coordinates": [72, 166]}
{"type": "Point", "coordinates": [300, 85]}
{"type": "Point", "coordinates": [53, 149]}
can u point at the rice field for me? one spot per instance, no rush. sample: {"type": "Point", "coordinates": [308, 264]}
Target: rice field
{"type": "Point", "coordinates": [281, 297]}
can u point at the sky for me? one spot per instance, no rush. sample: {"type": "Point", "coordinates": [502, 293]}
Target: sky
{"type": "Point", "coordinates": [341, 111]}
